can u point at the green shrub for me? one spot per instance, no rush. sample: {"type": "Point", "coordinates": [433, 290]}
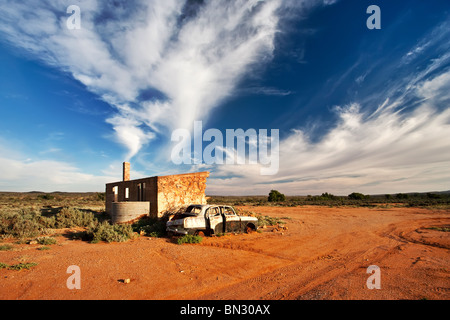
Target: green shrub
{"type": "Point", "coordinates": [189, 239]}
{"type": "Point", "coordinates": [47, 222]}
{"type": "Point", "coordinates": [276, 196]}
{"type": "Point", "coordinates": [356, 196]}
{"type": "Point", "coordinates": [21, 266]}
{"type": "Point", "coordinates": [434, 196]}
{"type": "Point", "coordinates": [101, 196]}
{"type": "Point", "coordinates": [46, 196]}
{"type": "Point", "coordinates": [268, 221]}
{"type": "Point", "coordinates": [6, 247]}
{"type": "Point", "coordinates": [443, 229]}
{"type": "Point", "coordinates": [22, 228]}
{"type": "Point", "coordinates": [151, 227]}
{"type": "Point", "coordinates": [46, 240]}
{"type": "Point", "coordinates": [29, 223]}
{"type": "Point", "coordinates": [328, 196]}
{"type": "Point", "coordinates": [71, 217]}
{"type": "Point", "coordinates": [110, 233]}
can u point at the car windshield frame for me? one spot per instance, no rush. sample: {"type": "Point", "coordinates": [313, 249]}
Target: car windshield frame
{"type": "Point", "coordinates": [189, 210]}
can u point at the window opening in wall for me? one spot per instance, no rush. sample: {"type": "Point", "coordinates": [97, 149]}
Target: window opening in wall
{"type": "Point", "coordinates": [116, 193]}
{"type": "Point", "coordinates": [141, 191]}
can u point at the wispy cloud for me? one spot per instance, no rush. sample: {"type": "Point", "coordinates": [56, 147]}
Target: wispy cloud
{"type": "Point", "coordinates": [267, 91]}
{"type": "Point", "coordinates": [437, 40]}
{"type": "Point", "coordinates": [194, 54]}
{"type": "Point", "coordinates": [387, 152]}
{"type": "Point", "coordinates": [400, 145]}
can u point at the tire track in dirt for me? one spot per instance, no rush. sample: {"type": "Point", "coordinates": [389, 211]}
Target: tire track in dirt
{"type": "Point", "coordinates": [303, 275]}
{"type": "Point", "coordinates": [245, 248]}
{"type": "Point", "coordinates": [295, 278]}
{"type": "Point", "coordinates": [410, 232]}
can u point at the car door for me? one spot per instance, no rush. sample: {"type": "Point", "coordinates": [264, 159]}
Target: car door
{"type": "Point", "coordinates": [232, 220]}
{"type": "Point", "coordinates": [214, 220]}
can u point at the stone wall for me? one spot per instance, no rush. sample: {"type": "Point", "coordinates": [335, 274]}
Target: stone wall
{"type": "Point", "coordinates": [178, 191]}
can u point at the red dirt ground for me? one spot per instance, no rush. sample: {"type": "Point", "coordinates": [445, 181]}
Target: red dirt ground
{"type": "Point", "coordinates": [323, 254]}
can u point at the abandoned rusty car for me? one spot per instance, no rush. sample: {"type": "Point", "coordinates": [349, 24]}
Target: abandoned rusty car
{"type": "Point", "coordinates": [210, 220]}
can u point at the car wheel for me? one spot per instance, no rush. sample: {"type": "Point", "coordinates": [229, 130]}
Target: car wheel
{"type": "Point", "coordinates": [200, 233]}
{"type": "Point", "coordinates": [249, 228]}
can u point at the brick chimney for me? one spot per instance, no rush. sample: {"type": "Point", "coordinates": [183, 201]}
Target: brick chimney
{"type": "Point", "coordinates": [126, 171]}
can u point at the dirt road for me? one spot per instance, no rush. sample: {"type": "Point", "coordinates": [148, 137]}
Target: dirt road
{"type": "Point", "coordinates": [323, 254]}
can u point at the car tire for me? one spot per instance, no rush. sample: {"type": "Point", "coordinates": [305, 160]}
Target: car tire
{"type": "Point", "coordinates": [200, 233]}
{"type": "Point", "coordinates": [249, 228]}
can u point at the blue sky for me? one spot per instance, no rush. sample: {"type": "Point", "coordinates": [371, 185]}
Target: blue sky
{"type": "Point", "coordinates": [358, 110]}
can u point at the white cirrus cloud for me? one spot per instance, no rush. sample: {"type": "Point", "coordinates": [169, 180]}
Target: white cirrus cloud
{"type": "Point", "coordinates": [392, 149]}
{"type": "Point", "coordinates": [193, 55]}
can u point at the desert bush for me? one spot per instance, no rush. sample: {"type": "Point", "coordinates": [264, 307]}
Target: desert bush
{"type": "Point", "coordinates": [356, 196]}
{"type": "Point", "coordinates": [29, 223]}
{"type": "Point", "coordinates": [443, 229]}
{"type": "Point", "coordinates": [71, 217]}
{"type": "Point", "coordinates": [101, 196]}
{"type": "Point", "coordinates": [328, 196]}
{"type": "Point", "coordinates": [276, 196]}
{"type": "Point", "coordinates": [24, 225]}
{"type": "Point", "coordinates": [262, 220]}
{"type": "Point", "coordinates": [6, 247]}
{"type": "Point", "coordinates": [189, 239]}
{"type": "Point", "coordinates": [268, 221]}
{"type": "Point", "coordinates": [20, 223]}
{"type": "Point", "coordinates": [151, 227]}
{"type": "Point", "coordinates": [46, 196]}
{"type": "Point", "coordinates": [21, 266]}
{"type": "Point", "coordinates": [4, 226]}
{"type": "Point", "coordinates": [46, 240]}
{"type": "Point", "coordinates": [47, 222]}
{"type": "Point", "coordinates": [434, 196]}
{"type": "Point", "coordinates": [110, 233]}
{"type": "Point", "coordinates": [18, 266]}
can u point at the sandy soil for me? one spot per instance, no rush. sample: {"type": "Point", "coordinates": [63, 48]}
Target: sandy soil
{"type": "Point", "coordinates": [324, 254]}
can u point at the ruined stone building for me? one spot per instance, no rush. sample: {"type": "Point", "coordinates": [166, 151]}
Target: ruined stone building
{"type": "Point", "coordinates": [128, 200]}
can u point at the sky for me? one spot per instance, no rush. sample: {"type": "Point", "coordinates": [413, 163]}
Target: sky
{"type": "Point", "coordinates": [356, 109]}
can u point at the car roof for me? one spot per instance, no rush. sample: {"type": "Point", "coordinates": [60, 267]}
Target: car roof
{"type": "Point", "coordinates": [208, 205]}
